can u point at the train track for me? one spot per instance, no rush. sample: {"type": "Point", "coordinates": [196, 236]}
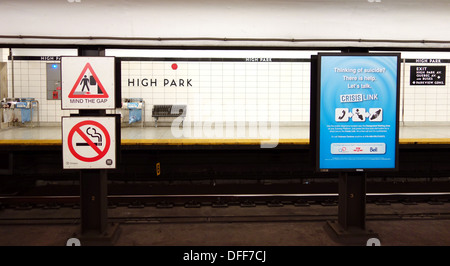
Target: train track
{"type": "Point", "coordinates": [222, 203]}
{"type": "Point", "coordinates": [238, 208]}
{"type": "Point", "coordinates": [223, 200]}
{"type": "Point", "coordinates": [216, 200]}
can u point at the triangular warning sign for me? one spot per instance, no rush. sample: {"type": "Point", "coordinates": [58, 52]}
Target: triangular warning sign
{"type": "Point", "coordinates": [88, 85]}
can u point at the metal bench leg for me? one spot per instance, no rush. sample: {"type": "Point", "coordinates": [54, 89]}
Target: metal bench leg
{"type": "Point", "coordinates": [156, 122]}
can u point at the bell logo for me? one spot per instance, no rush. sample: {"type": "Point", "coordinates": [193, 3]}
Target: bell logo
{"type": "Point", "coordinates": [374, 149]}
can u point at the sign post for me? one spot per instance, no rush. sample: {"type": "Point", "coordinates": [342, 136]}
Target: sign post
{"type": "Point", "coordinates": [91, 139]}
{"type": "Point", "coordinates": [355, 129]}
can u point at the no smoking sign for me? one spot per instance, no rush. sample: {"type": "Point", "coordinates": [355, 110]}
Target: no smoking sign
{"type": "Point", "coordinates": [89, 142]}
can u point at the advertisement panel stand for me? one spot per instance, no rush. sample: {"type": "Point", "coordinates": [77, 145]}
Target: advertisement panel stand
{"type": "Point", "coordinates": [350, 227]}
{"type": "Point", "coordinates": [355, 107]}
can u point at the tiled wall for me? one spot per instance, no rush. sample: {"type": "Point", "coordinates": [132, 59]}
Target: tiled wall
{"type": "Point", "coordinates": [230, 91]}
{"type": "Point", "coordinates": [224, 91]}
{"type": "Point", "coordinates": [425, 103]}
{"type": "Point", "coordinates": [30, 81]}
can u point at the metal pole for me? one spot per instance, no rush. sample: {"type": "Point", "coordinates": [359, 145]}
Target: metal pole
{"type": "Point", "coordinates": [93, 195]}
{"type": "Point", "coordinates": [352, 201]}
{"type": "Point", "coordinates": [403, 91]}
{"type": "Point", "coordinates": [350, 227]}
{"type": "Point", "coordinates": [12, 72]}
{"type": "Point", "coordinates": [95, 229]}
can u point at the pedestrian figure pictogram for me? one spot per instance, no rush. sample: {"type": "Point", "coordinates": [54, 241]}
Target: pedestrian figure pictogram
{"type": "Point", "coordinates": [85, 81]}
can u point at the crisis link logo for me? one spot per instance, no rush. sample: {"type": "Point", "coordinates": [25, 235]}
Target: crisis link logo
{"type": "Point", "coordinates": [154, 82]}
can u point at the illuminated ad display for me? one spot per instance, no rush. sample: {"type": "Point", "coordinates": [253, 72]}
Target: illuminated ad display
{"type": "Point", "coordinates": [358, 98]}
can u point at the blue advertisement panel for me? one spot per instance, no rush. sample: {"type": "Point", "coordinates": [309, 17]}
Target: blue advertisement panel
{"type": "Point", "coordinates": [358, 111]}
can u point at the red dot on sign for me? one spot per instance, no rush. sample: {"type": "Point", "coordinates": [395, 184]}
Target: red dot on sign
{"type": "Point", "coordinates": [174, 66]}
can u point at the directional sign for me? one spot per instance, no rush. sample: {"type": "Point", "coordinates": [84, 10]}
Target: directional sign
{"type": "Point", "coordinates": [89, 142]}
{"type": "Point", "coordinates": [427, 75]}
{"type": "Point", "coordinates": [87, 82]}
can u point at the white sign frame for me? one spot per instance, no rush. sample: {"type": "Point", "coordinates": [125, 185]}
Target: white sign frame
{"type": "Point", "coordinates": [89, 142]}
{"type": "Point", "coordinates": [102, 73]}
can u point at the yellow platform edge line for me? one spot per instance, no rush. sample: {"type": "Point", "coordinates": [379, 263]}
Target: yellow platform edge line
{"type": "Point", "coordinates": [212, 142]}
{"type": "Point", "coordinates": [425, 141]}
{"type": "Point", "coordinates": [36, 142]}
